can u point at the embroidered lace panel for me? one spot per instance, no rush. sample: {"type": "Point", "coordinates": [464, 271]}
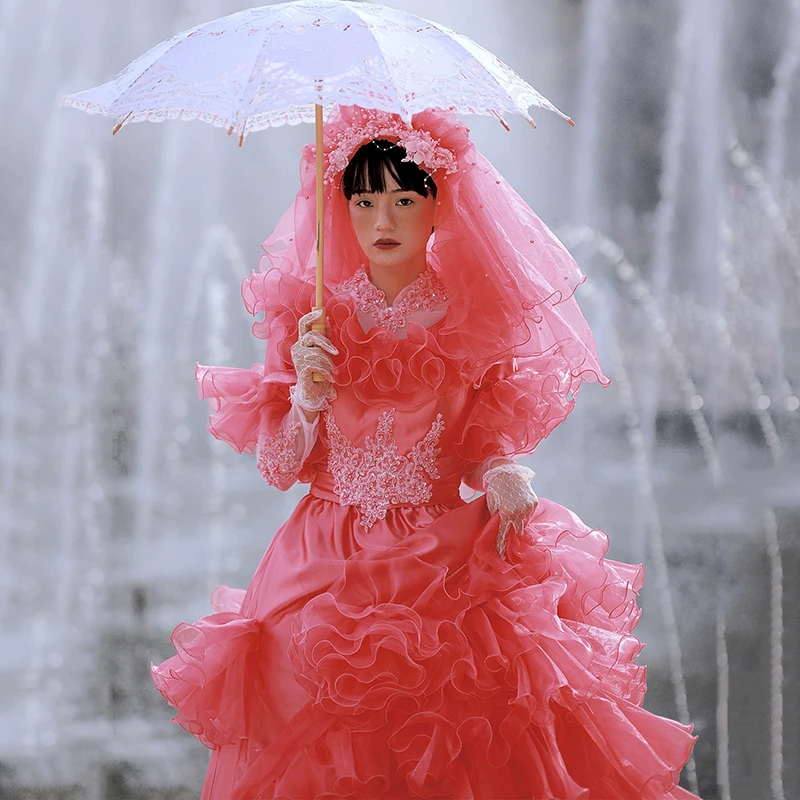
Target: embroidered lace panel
{"type": "Point", "coordinates": [277, 456]}
{"type": "Point", "coordinates": [425, 293]}
{"type": "Point", "coordinates": [376, 476]}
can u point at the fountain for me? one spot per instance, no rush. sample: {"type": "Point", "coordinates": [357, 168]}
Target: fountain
{"type": "Point", "coordinates": [121, 262]}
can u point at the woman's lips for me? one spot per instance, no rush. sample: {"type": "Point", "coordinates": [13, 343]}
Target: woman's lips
{"type": "Point", "coordinates": [386, 245]}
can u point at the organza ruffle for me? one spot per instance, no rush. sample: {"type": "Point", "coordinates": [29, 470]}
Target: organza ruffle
{"type": "Point", "coordinates": [236, 402]}
{"type": "Point", "coordinates": [246, 402]}
{"type": "Point", "coordinates": [519, 402]}
{"type": "Point", "coordinates": [484, 680]}
{"type": "Point", "coordinates": [212, 680]}
{"type": "Point", "coordinates": [375, 364]}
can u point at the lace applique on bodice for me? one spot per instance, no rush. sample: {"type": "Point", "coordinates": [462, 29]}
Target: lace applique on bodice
{"type": "Point", "coordinates": [425, 293]}
{"type": "Point", "coordinates": [376, 476]}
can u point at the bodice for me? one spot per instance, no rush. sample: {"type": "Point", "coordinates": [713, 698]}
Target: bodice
{"type": "Point", "coordinates": [378, 457]}
{"type": "Point", "coordinates": [413, 414]}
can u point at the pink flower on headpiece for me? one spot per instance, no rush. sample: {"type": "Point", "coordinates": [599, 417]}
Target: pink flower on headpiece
{"type": "Point", "coordinates": [422, 148]}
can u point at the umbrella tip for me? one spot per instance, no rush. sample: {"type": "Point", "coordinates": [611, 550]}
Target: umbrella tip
{"type": "Point", "coordinates": [499, 118]}
{"type": "Point", "coordinates": [120, 124]}
{"type": "Point", "coordinates": [570, 121]}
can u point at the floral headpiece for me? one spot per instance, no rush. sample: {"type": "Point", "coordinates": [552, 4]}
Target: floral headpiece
{"type": "Point", "coordinates": [420, 146]}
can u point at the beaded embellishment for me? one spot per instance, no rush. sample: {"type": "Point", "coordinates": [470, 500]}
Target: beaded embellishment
{"type": "Point", "coordinates": [424, 293]}
{"type": "Point", "coordinates": [420, 146]}
{"type": "Point", "coordinates": [376, 476]}
{"type": "Point", "coordinates": [277, 456]}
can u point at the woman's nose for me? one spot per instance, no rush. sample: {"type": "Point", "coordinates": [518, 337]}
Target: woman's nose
{"type": "Point", "coordinates": [384, 219]}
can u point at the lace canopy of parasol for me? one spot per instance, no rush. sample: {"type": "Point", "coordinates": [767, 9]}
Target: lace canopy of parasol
{"type": "Point", "coordinates": [269, 66]}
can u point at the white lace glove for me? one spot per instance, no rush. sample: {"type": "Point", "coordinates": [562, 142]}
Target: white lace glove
{"type": "Point", "coordinates": [312, 353]}
{"type": "Point", "coordinates": [508, 491]}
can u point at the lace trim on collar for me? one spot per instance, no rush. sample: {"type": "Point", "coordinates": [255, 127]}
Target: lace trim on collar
{"type": "Point", "coordinates": [425, 293]}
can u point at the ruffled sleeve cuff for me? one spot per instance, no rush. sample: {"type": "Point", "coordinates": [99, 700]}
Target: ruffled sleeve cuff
{"type": "Point", "coordinates": [518, 403]}
{"type": "Point", "coordinates": [244, 402]}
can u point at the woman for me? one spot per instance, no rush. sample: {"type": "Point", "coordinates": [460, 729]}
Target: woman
{"type": "Point", "coordinates": [396, 641]}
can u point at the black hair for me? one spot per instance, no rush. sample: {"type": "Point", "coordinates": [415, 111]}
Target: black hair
{"type": "Point", "coordinates": [365, 172]}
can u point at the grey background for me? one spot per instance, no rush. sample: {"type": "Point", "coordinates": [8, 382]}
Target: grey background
{"type": "Point", "coordinates": [120, 261]}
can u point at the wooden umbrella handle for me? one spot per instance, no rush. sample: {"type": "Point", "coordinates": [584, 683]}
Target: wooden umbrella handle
{"type": "Point", "coordinates": [319, 325]}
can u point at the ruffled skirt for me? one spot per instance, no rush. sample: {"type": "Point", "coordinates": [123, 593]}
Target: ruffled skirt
{"type": "Point", "coordinates": [411, 661]}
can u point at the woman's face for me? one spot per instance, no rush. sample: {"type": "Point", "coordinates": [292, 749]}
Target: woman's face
{"type": "Point", "coordinates": [392, 227]}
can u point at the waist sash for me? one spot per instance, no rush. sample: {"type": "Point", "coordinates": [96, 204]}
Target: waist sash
{"type": "Point", "coordinates": [445, 494]}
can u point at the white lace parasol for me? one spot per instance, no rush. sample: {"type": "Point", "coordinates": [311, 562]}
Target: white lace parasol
{"type": "Point", "coordinates": [269, 66]}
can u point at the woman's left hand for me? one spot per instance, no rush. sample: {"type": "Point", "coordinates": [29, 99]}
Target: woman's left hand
{"type": "Point", "coordinates": [509, 492]}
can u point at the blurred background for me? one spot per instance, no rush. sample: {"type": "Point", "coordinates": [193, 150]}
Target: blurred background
{"type": "Point", "coordinates": [120, 262]}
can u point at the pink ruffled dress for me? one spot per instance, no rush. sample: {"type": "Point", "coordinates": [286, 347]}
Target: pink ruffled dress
{"type": "Point", "coordinates": [383, 649]}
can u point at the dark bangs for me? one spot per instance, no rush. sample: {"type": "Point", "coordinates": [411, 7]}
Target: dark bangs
{"type": "Point", "coordinates": [365, 172]}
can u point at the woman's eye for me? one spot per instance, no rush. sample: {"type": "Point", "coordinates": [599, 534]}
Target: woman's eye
{"type": "Point", "coordinates": [405, 201]}
{"type": "Point", "coordinates": [363, 203]}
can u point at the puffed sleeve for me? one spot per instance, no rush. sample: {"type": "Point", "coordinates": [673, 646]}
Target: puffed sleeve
{"type": "Point", "coordinates": [252, 412]}
{"type": "Point", "coordinates": [517, 403]}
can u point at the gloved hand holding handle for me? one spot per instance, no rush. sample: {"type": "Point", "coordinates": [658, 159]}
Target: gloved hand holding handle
{"type": "Point", "coordinates": [311, 355]}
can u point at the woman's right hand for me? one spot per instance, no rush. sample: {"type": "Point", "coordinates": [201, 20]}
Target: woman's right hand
{"type": "Point", "coordinates": [312, 354]}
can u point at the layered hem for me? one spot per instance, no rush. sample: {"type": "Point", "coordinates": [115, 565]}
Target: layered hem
{"type": "Point", "coordinates": [433, 669]}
